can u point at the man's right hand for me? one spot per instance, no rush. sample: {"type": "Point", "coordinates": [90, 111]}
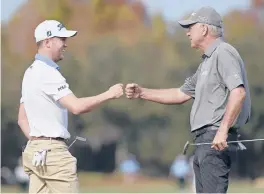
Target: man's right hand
{"type": "Point", "coordinates": [116, 91]}
{"type": "Point", "coordinates": [133, 90]}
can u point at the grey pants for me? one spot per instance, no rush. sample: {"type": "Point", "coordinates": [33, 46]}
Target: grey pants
{"type": "Point", "coordinates": [211, 167]}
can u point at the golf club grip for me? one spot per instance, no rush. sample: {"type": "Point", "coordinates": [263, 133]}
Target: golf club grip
{"type": "Point", "coordinates": [80, 138]}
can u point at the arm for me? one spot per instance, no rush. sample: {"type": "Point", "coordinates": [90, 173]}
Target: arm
{"type": "Point", "coordinates": [82, 105]}
{"type": "Point", "coordinates": [23, 121]}
{"type": "Point", "coordinates": [234, 105]}
{"type": "Point", "coordinates": [233, 109]}
{"type": "Point", "coordinates": [230, 70]}
{"type": "Point", "coordinates": [164, 96]}
{"type": "Point", "coordinates": [57, 88]}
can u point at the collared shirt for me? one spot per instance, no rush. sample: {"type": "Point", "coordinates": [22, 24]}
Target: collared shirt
{"type": "Point", "coordinates": [221, 71]}
{"type": "Point", "coordinates": [42, 87]}
{"type": "Point", "coordinates": [47, 61]}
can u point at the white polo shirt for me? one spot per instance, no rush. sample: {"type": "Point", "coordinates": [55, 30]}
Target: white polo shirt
{"type": "Point", "coordinates": [42, 87]}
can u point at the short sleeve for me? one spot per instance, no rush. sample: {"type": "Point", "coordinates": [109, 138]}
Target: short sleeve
{"type": "Point", "coordinates": [190, 84]}
{"type": "Point", "coordinates": [21, 100]}
{"type": "Point", "coordinates": [56, 86]}
{"type": "Point", "coordinates": [229, 69]}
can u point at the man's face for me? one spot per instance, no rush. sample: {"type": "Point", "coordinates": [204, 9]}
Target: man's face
{"type": "Point", "coordinates": [57, 48]}
{"type": "Point", "coordinates": [196, 32]}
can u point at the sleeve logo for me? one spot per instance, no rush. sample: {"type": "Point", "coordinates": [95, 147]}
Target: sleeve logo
{"type": "Point", "coordinates": [62, 87]}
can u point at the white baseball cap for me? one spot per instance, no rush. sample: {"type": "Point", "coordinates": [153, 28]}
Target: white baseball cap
{"type": "Point", "coordinates": [52, 28]}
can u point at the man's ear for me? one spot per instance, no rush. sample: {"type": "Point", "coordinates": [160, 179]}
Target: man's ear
{"type": "Point", "coordinates": [47, 43]}
{"type": "Point", "coordinates": [205, 30]}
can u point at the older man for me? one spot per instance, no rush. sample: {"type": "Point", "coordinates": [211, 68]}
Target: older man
{"type": "Point", "coordinates": [43, 113]}
{"type": "Point", "coordinates": [221, 98]}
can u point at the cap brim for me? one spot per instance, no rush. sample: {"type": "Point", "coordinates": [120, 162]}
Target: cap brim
{"type": "Point", "coordinates": [186, 23]}
{"type": "Point", "coordinates": [67, 33]}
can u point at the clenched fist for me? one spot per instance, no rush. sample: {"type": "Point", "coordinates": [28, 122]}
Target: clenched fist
{"type": "Point", "coordinates": [116, 91]}
{"type": "Point", "coordinates": [133, 90]}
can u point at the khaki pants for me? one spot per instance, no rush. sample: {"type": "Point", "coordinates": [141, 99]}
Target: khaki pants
{"type": "Point", "coordinates": [59, 175]}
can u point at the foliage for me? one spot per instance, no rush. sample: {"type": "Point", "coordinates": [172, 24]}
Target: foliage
{"type": "Point", "coordinates": [98, 58]}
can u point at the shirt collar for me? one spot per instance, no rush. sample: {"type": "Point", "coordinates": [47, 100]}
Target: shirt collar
{"type": "Point", "coordinates": [47, 61]}
{"type": "Point", "coordinates": [209, 51]}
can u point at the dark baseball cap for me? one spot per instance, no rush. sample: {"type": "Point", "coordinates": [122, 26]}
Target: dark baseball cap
{"type": "Point", "coordinates": [206, 15]}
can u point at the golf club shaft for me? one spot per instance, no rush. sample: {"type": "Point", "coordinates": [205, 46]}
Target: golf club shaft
{"type": "Point", "coordinates": [248, 140]}
{"type": "Point", "coordinates": [72, 144]}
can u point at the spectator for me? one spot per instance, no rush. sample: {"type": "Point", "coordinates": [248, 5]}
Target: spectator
{"type": "Point", "coordinates": [180, 170]}
{"type": "Point", "coordinates": [130, 168]}
{"type": "Point", "coordinates": [21, 177]}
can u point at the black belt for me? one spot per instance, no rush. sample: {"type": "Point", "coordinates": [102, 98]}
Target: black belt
{"type": "Point", "coordinates": [204, 129]}
{"type": "Point", "coordinates": [47, 138]}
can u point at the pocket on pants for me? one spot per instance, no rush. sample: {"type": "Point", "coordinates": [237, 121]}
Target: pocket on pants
{"type": "Point", "coordinates": [67, 166]}
{"type": "Point", "coordinates": [70, 164]}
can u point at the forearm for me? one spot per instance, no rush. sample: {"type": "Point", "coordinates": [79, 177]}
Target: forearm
{"type": "Point", "coordinates": [24, 126]}
{"type": "Point", "coordinates": [164, 96]}
{"type": "Point", "coordinates": [87, 104]}
{"type": "Point", "coordinates": [23, 120]}
{"type": "Point", "coordinates": [233, 108]}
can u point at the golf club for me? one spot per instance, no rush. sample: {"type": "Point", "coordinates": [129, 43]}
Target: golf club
{"type": "Point", "coordinates": [187, 144]}
{"type": "Point", "coordinates": [77, 138]}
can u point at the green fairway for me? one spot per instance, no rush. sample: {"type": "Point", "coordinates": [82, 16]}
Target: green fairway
{"type": "Point", "coordinates": [97, 183]}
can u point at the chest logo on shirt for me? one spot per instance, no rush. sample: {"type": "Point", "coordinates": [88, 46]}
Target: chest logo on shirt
{"type": "Point", "coordinates": [62, 87]}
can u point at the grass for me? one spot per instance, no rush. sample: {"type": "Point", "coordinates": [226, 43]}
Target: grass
{"type": "Point", "coordinates": [98, 183]}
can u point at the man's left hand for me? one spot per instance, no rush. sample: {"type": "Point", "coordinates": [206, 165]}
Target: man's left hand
{"type": "Point", "coordinates": [219, 142]}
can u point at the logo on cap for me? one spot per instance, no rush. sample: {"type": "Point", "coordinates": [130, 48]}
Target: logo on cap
{"type": "Point", "coordinates": [49, 33]}
{"type": "Point", "coordinates": [60, 26]}
{"type": "Point", "coordinates": [203, 19]}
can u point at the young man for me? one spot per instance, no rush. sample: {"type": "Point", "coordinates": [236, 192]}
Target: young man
{"type": "Point", "coordinates": [43, 113]}
{"type": "Point", "coordinates": [221, 98]}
